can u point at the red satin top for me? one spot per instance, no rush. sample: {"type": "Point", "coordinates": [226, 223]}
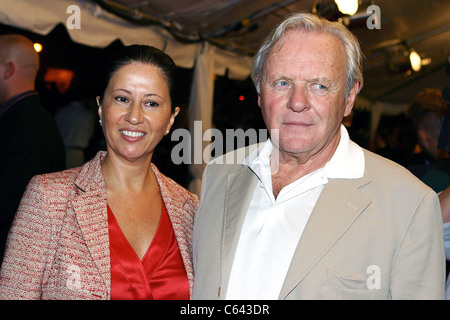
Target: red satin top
{"type": "Point", "coordinates": [159, 276]}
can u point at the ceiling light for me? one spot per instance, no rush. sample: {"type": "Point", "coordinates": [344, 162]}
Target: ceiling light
{"type": "Point", "coordinates": [347, 6]}
{"type": "Point", "coordinates": [416, 61]}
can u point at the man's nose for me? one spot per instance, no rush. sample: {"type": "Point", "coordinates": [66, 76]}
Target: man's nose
{"type": "Point", "coordinates": [298, 100]}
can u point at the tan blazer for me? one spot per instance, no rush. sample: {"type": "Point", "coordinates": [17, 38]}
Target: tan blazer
{"type": "Point", "coordinates": [58, 247]}
{"type": "Point", "coordinates": [378, 237]}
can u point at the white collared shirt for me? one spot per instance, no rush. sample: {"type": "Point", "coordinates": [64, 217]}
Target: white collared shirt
{"type": "Point", "coordinates": [272, 227]}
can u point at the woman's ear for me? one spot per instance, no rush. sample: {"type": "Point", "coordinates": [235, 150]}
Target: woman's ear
{"type": "Point", "coordinates": [99, 110]}
{"type": "Point", "coordinates": [99, 106]}
{"type": "Point", "coordinates": [172, 119]}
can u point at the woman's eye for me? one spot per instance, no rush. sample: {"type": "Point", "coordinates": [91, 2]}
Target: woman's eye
{"type": "Point", "coordinates": [152, 104]}
{"type": "Point", "coordinates": [121, 99]}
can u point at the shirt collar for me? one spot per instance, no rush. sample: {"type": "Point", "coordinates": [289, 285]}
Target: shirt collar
{"type": "Point", "coordinates": [347, 161]}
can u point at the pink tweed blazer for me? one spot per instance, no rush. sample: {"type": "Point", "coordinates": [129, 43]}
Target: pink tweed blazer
{"type": "Point", "coordinates": [58, 246]}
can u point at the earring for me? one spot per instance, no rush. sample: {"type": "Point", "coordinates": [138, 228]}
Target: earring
{"type": "Point", "coordinates": [100, 121]}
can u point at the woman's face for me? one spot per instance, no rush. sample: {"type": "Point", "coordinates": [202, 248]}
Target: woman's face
{"type": "Point", "coordinates": [136, 111]}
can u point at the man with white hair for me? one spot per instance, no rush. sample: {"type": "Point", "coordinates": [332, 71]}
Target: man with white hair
{"type": "Point", "coordinates": [309, 214]}
{"type": "Point", "coordinates": [30, 142]}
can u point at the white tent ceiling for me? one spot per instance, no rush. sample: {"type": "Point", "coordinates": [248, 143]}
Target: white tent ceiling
{"type": "Point", "coordinates": [99, 28]}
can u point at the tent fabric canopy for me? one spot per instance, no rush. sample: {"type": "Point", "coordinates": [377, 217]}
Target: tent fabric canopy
{"type": "Point", "coordinates": [99, 28]}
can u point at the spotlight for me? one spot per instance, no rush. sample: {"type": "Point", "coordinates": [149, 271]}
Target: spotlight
{"type": "Point", "coordinates": [349, 7]}
{"type": "Point", "coordinates": [416, 61]}
{"type": "Point", "coordinates": [402, 59]}
{"type": "Point", "coordinates": [352, 13]}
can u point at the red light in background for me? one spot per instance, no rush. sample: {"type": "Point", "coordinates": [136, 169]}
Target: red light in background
{"type": "Point", "coordinates": [241, 98]}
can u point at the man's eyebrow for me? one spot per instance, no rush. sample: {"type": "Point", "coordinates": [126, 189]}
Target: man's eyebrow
{"type": "Point", "coordinates": [321, 80]}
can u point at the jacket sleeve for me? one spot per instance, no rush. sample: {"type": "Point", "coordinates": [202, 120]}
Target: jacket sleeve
{"type": "Point", "coordinates": [27, 249]}
{"type": "Point", "coordinates": [447, 240]}
{"type": "Point", "coordinates": [419, 268]}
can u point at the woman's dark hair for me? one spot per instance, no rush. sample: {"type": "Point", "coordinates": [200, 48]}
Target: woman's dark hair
{"type": "Point", "coordinates": [143, 54]}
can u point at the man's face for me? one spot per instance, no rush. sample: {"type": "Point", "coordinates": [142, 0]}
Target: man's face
{"type": "Point", "coordinates": [302, 94]}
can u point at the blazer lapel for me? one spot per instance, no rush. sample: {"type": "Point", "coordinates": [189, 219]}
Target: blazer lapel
{"type": "Point", "coordinates": [239, 191]}
{"type": "Point", "coordinates": [338, 206]}
{"type": "Point", "coordinates": [175, 206]}
{"type": "Point", "coordinates": [90, 209]}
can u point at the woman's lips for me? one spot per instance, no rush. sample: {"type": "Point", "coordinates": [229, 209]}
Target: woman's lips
{"type": "Point", "coordinates": [132, 135]}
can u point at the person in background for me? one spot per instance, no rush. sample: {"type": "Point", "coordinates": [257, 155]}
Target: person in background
{"type": "Point", "coordinates": [426, 112]}
{"type": "Point", "coordinates": [30, 142]}
{"type": "Point", "coordinates": [444, 195]}
{"type": "Point", "coordinates": [76, 123]}
{"type": "Point", "coordinates": [115, 228]}
{"type": "Point", "coordinates": [309, 214]}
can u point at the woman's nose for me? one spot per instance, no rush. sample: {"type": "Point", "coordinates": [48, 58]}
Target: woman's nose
{"type": "Point", "coordinates": [134, 115]}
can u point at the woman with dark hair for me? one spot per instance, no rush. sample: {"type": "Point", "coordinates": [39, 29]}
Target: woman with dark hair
{"type": "Point", "coordinates": [115, 228]}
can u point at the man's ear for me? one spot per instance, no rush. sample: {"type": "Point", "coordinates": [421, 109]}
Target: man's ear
{"type": "Point", "coordinates": [350, 101]}
{"type": "Point", "coordinates": [422, 136]}
{"type": "Point", "coordinates": [9, 68]}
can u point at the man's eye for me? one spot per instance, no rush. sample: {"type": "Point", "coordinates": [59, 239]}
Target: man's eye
{"type": "Point", "coordinates": [320, 86]}
{"type": "Point", "coordinates": [281, 83]}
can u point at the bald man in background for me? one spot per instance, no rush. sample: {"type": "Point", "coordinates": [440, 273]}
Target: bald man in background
{"type": "Point", "coordinates": [30, 142]}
